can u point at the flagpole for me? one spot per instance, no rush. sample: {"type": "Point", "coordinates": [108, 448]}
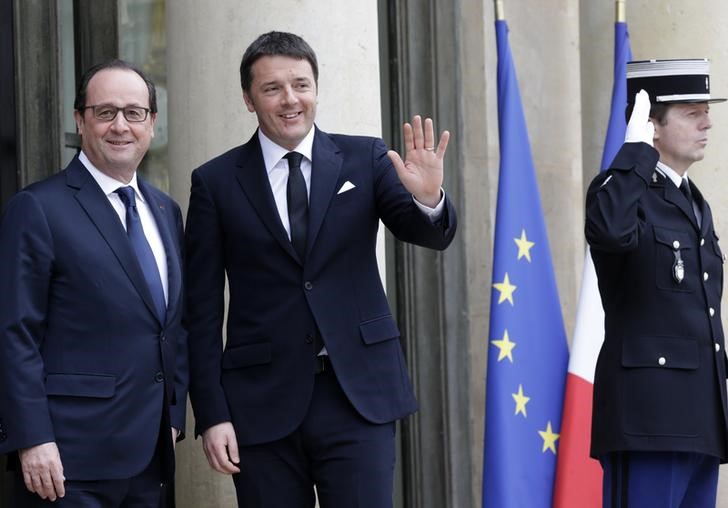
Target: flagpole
{"type": "Point", "coordinates": [620, 11]}
{"type": "Point", "coordinates": [499, 12]}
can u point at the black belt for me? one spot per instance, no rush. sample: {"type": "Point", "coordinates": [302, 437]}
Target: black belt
{"type": "Point", "coordinates": [321, 364]}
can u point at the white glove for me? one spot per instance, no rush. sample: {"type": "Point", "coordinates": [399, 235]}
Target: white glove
{"type": "Point", "coordinates": [639, 127]}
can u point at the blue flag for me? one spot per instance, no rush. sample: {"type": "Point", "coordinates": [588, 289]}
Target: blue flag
{"type": "Point", "coordinates": [617, 121]}
{"type": "Point", "coordinates": [527, 352]}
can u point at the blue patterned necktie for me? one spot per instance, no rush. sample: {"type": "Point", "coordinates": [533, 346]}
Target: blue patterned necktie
{"type": "Point", "coordinates": [138, 239]}
{"type": "Point", "coordinates": [297, 197]}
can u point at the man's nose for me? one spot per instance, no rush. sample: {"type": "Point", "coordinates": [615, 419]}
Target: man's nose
{"type": "Point", "coordinates": [289, 95]}
{"type": "Point", "coordinates": [119, 122]}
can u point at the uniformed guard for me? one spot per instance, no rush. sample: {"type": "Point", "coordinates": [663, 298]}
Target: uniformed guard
{"type": "Point", "coordinates": [660, 419]}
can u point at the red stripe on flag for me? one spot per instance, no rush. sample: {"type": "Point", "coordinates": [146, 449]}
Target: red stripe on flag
{"type": "Point", "coordinates": [578, 477]}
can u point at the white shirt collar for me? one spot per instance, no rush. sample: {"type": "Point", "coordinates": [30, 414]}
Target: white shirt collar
{"type": "Point", "coordinates": [671, 173]}
{"type": "Point", "coordinates": [109, 185]}
{"type": "Point", "coordinates": [273, 153]}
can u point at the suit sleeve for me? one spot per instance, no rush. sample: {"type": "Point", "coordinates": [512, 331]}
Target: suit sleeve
{"type": "Point", "coordinates": [178, 410]}
{"type": "Point", "coordinates": [205, 278]}
{"type": "Point", "coordinates": [398, 211]}
{"type": "Point", "coordinates": [612, 200]}
{"type": "Point", "coordinates": [26, 265]}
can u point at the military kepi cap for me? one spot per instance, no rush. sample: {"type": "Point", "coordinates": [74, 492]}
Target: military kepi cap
{"type": "Point", "coordinates": [669, 81]}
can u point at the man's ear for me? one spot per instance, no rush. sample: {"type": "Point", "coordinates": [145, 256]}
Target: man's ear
{"type": "Point", "coordinates": [248, 103]}
{"type": "Point", "coordinates": [152, 121]}
{"type": "Point", "coordinates": [657, 128]}
{"type": "Point", "coordinates": [79, 121]}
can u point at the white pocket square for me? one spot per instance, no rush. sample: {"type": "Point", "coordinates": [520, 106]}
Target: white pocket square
{"type": "Point", "coordinates": [347, 186]}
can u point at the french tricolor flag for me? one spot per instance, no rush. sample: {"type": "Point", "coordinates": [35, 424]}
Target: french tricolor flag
{"type": "Point", "coordinates": [579, 477]}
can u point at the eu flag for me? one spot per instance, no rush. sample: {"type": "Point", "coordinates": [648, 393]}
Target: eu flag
{"type": "Point", "coordinates": [527, 352]}
{"type": "Point", "coordinates": [617, 122]}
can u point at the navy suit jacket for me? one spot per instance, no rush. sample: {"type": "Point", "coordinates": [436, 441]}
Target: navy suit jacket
{"type": "Point", "coordinates": [660, 380]}
{"type": "Point", "coordinates": [262, 379]}
{"type": "Point", "coordinates": [84, 360]}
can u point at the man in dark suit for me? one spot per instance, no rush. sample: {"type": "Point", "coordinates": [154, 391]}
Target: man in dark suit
{"type": "Point", "coordinates": [312, 377]}
{"type": "Point", "coordinates": [660, 419]}
{"type": "Point", "coordinates": [93, 359]}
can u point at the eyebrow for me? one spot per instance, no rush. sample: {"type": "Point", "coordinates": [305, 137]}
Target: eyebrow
{"type": "Point", "coordinates": [297, 79]}
{"type": "Point", "coordinates": [130, 105]}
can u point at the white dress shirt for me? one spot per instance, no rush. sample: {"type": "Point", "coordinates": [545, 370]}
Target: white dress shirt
{"type": "Point", "coordinates": [151, 231]}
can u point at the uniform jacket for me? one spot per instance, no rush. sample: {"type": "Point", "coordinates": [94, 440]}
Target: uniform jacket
{"type": "Point", "coordinates": [262, 380]}
{"type": "Point", "coordinates": [660, 380]}
{"type": "Point", "coordinates": [84, 359]}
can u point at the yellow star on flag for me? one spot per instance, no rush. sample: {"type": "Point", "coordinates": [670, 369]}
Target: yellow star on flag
{"type": "Point", "coordinates": [505, 347]}
{"type": "Point", "coordinates": [549, 439]}
{"type": "Point", "coordinates": [506, 290]}
{"type": "Point", "coordinates": [521, 401]}
{"type": "Point", "coordinates": [524, 246]}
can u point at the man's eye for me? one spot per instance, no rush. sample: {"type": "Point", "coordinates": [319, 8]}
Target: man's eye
{"type": "Point", "coordinates": [105, 113]}
{"type": "Point", "coordinates": [134, 113]}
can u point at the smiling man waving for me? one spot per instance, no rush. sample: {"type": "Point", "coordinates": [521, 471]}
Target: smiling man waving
{"type": "Point", "coordinates": [312, 377]}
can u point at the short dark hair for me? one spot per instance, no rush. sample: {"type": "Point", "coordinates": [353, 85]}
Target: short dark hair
{"type": "Point", "coordinates": [80, 102]}
{"type": "Point", "coordinates": [275, 44]}
{"type": "Point", "coordinates": [658, 111]}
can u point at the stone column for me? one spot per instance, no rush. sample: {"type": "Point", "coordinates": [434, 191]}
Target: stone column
{"type": "Point", "coordinates": [665, 29]}
{"type": "Point", "coordinates": [207, 116]}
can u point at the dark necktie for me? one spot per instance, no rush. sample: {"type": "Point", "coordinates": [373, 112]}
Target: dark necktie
{"type": "Point", "coordinates": [138, 239]}
{"type": "Point", "coordinates": [685, 189]}
{"type": "Point", "coordinates": [297, 203]}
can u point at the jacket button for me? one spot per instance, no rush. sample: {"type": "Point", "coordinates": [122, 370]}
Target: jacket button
{"type": "Point", "coordinates": [661, 361]}
{"type": "Point", "coordinates": [309, 338]}
{"type": "Point", "coordinates": [711, 311]}
{"type": "Point", "coordinates": [705, 276]}
{"type": "Point", "coordinates": [702, 242]}
{"type": "Point", "coordinates": [717, 347]}
{"type": "Point", "coordinates": [159, 377]}
{"type": "Point", "coordinates": [676, 245]}
{"type": "Point", "coordinates": [162, 337]}
{"type": "Point", "coordinates": [308, 286]}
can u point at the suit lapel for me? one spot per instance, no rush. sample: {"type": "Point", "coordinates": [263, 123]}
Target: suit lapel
{"type": "Point", "coordinates": [254, 181]}
{"type": "Point", "coordinates": [100, 212]}
{"type": "Point", "coordinates": [706, 218]}
{"type": "Point", "coordinates": [325, 171]}
{"type": "Point", "coordinates": [174, 275]}
{"type": "Point", "coordinates": [674, 196]}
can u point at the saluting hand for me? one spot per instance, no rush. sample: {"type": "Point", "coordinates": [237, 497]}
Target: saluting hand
{"type": "Point", "coordinates": [421, 171]}
{"type": "Point", "coordinates": [640, 128]}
